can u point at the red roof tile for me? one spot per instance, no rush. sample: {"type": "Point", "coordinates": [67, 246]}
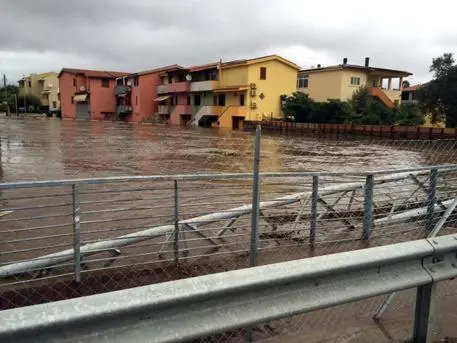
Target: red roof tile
{"type": "Point", "coordinates": [94, 73]}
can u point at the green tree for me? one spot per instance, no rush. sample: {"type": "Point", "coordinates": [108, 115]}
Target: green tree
{"type": "Point", "coordinates": [360, 99]}
{"type": "Point", "coordinates": [408, 115]}
{"type": "Point", "coordinates": [439, 96]}
{"type": "Point", "coordinates": [298, 107]}
{"type": "Point", "coordinates": [332, 111]}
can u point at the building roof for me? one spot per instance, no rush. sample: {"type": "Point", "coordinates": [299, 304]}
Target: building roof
{"type": "Point", "coordinates": [358, 67]}
{"type": "Point", "coordinates": [160, 70]}
{"type": "Point", "coordinates": [103, 74]}
{"type": "Point", "coordinates": [260, 59]}
{"type": "Point", "coordinates": [203, 67]}
{"type": "Point", "coordinates": [410, 88]}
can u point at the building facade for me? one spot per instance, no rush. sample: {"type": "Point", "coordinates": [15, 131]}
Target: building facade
{"type": "Point", "coordinates": [224, 94]}
{"type": "Point", "coordinates": [341, 81]}
{"type": "Point", "coordinates": [88, 94]}
{"type": "Point", "coordinates": [44, 86]}
{"type": "Point", "coordinates": [136, 94]}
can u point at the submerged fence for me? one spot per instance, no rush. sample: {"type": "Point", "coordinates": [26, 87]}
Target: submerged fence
{"type": "Point", "coordinates": [69, 238]}
{"type": "Point", "coordinates": [378, 131]}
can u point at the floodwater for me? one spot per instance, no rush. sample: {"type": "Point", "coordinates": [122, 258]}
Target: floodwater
{"type": "Point", "coordinates": [41, 149]}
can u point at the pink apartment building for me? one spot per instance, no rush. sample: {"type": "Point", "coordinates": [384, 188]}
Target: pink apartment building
{"type": "Point", "coordinates": [136, 94]}
{"type": "Point", "coordinates": [88, 94]}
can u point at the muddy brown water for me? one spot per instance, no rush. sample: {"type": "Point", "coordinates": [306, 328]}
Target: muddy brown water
{"type": "Point", "coordinates": [39, 149]}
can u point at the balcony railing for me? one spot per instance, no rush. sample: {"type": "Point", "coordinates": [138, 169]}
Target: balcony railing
{"type": "Point", "coordinates": [203, 86]}
{"type": "Point", "coordinates": [161, 89]}
{"type": "Point", "coordinates": [124, 109]}
{"type": "Point", "coordinates": [177, 87]}
{"type": "Point", "coordinates": [122, 89]}
{"type": "Point", "coordinates": [164, 109]}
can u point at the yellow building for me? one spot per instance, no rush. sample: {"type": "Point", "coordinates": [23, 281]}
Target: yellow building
{"type": "Point", "coordinates": [45, 86]}
{"type": "Point", "coordinates": [251, 89]}
{"type": "Point", "coordinates": [341, 81]}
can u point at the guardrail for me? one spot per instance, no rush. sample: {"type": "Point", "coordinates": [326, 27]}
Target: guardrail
{"type": "Point", "coordinates": [182, 310]}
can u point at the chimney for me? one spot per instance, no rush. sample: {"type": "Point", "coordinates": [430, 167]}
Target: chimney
{"type": "Point", "coordinates": [345, 60]}
{"type": "Point", "coordinates": [367, 61]}
{"type": "Point", "coordinates": [318, 65]}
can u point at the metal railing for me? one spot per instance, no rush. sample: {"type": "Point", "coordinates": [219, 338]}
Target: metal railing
{"type": "Point", "coordinates": [183, 310]}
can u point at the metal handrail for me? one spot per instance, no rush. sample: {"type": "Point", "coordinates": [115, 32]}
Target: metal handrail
{"type": "Point", "coordinates": [185, 309]}
{"type": "Point", "coordinates": [209, 176]}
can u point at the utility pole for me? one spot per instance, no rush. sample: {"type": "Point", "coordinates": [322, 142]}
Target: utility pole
{"type": "Point", "coordinates": [6, 96]}
{"type": "Point", "coordinates": [15, 104]}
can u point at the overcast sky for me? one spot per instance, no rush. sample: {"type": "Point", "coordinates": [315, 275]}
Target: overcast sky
{"type": "Point", "coordinates": [43, 35]}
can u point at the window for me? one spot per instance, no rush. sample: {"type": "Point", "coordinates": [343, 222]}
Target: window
{"type": "Point", "coordinates": [30, 83]}
{"type": "Point", "coordinates": [54, 104]}
{"type": "Point", "coordinates": [74, 82]}
{"type": "Point", "coordinates": [188, 100]}
{"type": "Point", "coordinates": [355, 81]}
{"type": "Point", "coordinates": [105, 83]}
{"type": "Point", "coordinates": [136, 100]}
{"type": "Point", "coordinates": [263, 73]}
{"type": "Point", "coordinates": [72, 100]}
{"type": "Point", "coordinates": [197, 100]}
{"type": "Point", "coordinates": [241, 99]}
{"type": "Point", "coordinates": [136, 81]}
{"type": "Point", "coordinates": [221, 100]}
{"type": "Point", "coordinates": [302, 81]}
{"type": "Point", "coordinates": [176, 100]}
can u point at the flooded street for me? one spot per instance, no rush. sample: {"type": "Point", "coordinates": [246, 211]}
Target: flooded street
{"type": "Point", "coordinates": [40, 149]}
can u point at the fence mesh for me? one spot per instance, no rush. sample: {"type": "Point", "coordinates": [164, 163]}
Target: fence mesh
{"type": "Point", "coordinates": [184, 227]}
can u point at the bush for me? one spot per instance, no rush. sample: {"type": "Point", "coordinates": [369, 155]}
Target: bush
{"type": "Point", "coordinates": [361, 109]}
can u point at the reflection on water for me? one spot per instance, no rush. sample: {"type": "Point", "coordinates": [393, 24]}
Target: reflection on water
{"type": "Point", "coordinates": [39, 149]}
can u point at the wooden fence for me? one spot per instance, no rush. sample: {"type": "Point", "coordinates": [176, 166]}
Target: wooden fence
{"type": "Point", "coordinates": [379, 131]}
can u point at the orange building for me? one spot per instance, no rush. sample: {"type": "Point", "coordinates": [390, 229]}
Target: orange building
{"type": "Point", "coordinates": [87, 94]}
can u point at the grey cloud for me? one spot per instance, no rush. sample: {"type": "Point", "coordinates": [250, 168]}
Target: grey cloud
{"type": "Point", "coordinates": [135, 35]}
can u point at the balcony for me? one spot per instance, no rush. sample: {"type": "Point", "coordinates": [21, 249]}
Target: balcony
{"type": "Point", "coordinates": [177, 87]}
{"type": "Point", "coordinates": [203, 86]}
{"type": "Point", "coordinates": [122, 90]}
{"type": "Point", "coordinates": [162, 89]}
{"type": "Point", "coordinates": [123, 109]}
{"type": "Point", "coordinates": [164, 109]}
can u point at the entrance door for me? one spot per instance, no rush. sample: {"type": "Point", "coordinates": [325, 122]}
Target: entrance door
{"type": "Point", "coordinates": [82, 111]}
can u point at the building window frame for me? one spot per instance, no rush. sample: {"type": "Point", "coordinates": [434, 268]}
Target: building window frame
{"type": "Point", "coordinates": [303, 81]}
{"type": "Point", "coordinates": [355, 81]}
{"type": "Point", "coordinates": [74, 82]}
{"type": "Point", "coordinates": [105, 83]}
{"type": "Point", "coordinates": [136, 81]}
{"type": "Point", "coordinates": [263, 73]}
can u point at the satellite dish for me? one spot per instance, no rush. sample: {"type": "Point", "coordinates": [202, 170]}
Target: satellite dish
{"type": "Point", "coordinates": [129, 83]}
{"type": "Point", "coordinates": [189, 77]}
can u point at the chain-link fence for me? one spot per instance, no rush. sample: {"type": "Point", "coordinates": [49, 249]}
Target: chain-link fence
{"type": "Point", "coordinates": [70, 238]}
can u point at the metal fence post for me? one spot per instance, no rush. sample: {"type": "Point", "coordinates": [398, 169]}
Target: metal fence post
{"type": "Point", "coordinates": [423, 315]}
{"type": "Point", "coordinates": [176, 222]}
{"type": "Point", "coordinates": [431, 199]}
{"type": "Point", "coordinates": [368, 207]}
{"type": "Point", "coordinates": [313, 219]}
{"type": "Point", "coordinates": [255, 211]}
{"type": "Point", "coordinates": [76, 232]}
{"type": "Point", "coordinates": [255, 200]}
